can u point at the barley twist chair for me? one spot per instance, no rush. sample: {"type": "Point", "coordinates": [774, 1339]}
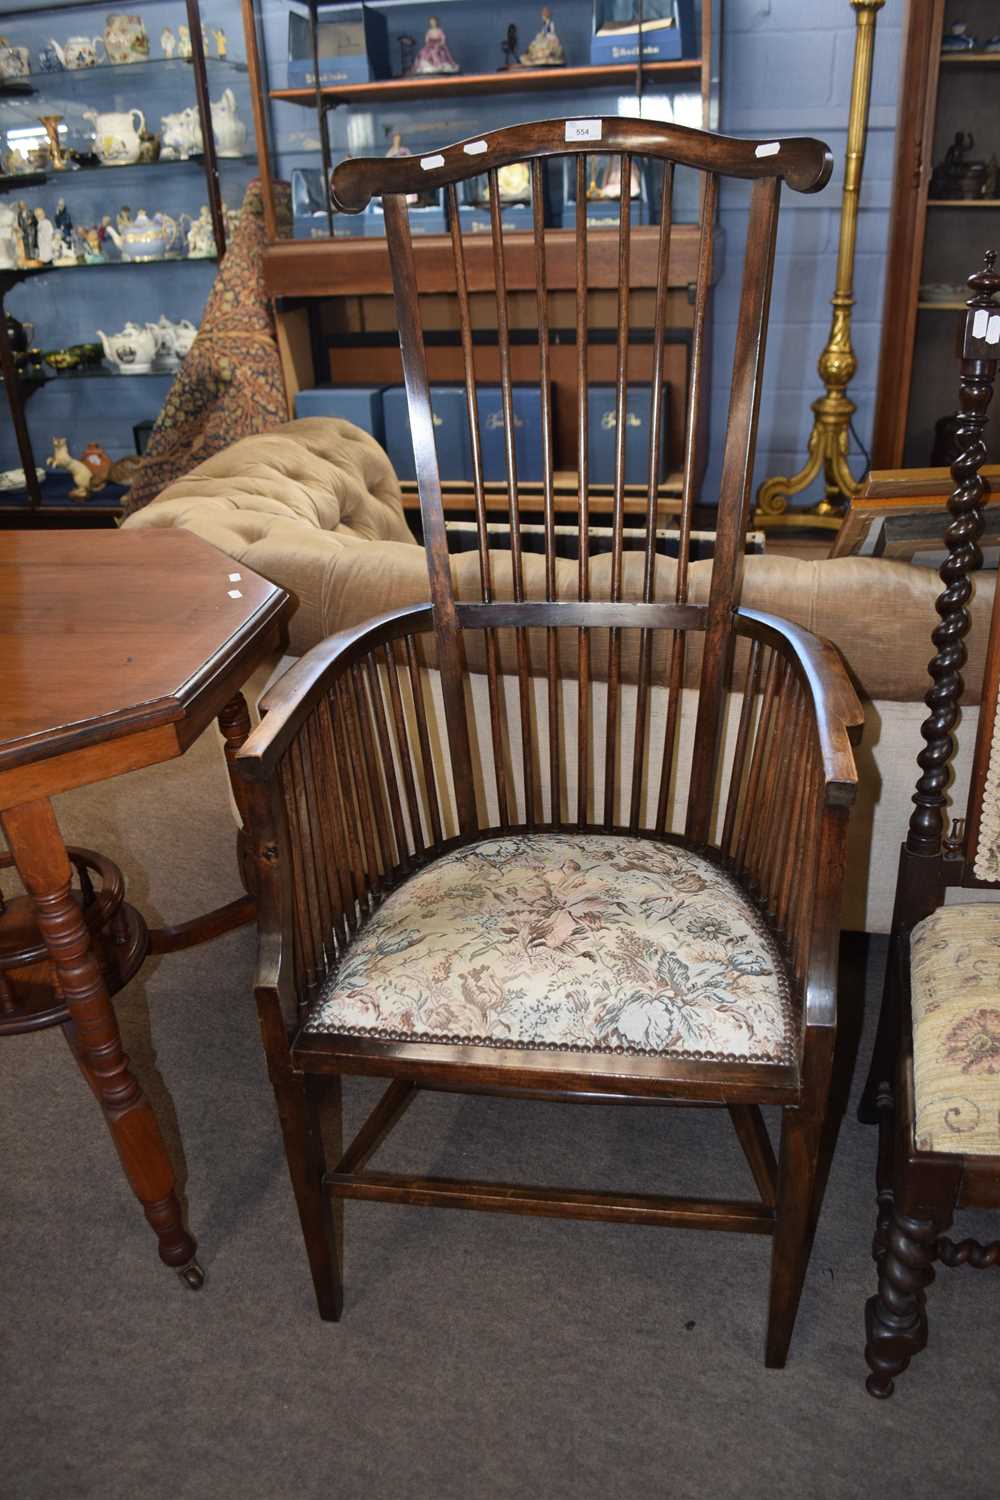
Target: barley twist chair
{"type": "Point", "coordinates": [934, 1084]}
{"type": "Point", "coordinates": [493, 852]}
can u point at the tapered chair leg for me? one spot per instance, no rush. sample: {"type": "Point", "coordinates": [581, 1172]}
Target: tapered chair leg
{"type": "Point", "coordinates": [896, 1319]}
{"type": "Point", "coordinates": [305, 1105]}
{"type": "Point", "coordinates": [793, 1226]}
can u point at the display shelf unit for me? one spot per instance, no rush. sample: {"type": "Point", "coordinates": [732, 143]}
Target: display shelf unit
{"type": "Point", "coordinates": [65, 306]}
{"type": "Point", "coordinates": [332, 292]}
{"type": "Point", "coordinates": [932, 239]}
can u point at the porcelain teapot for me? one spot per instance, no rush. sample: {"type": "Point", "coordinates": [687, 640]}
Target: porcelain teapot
{"type": "Point", "coordinates": [117, 136]}
{"type": "Point", "coordinates": [185, 334]}
{"type": "Point", "coordinates": [15, 62]}
{"type": "Point", "coordinates": [131, 351]}
{"type": "Point", "coordinates": [145, 238]}
{"type": "Point", "coordinates": [180, 135]}
{"type": "Point", "coordinates": [229, 130]}
{"type": "Point", "coordinates": [79, 51]}
{"type": "Point", "coordinates": [125, 38]}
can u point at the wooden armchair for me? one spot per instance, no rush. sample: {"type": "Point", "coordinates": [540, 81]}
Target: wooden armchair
{"type": "Point", "coordinates": [501, 919]}
{"type": "Point", "coordinates": [934, 1084]}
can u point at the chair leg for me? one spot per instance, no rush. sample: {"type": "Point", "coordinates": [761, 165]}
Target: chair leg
{"type": "Point", "coordinates": [896, 1318]}
{"type": "Point", "coordinates": [305, 1105]}
{"type": "Point", "coordinates": [798, 1164]}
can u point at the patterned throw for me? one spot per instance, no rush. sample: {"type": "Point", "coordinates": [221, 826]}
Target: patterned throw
{"type": "Point", "coordinates": [230, 385]}
{"type": "Point", "coordinates": [575, 942]}
{"type": "Point", "coordinates": [955, 995]}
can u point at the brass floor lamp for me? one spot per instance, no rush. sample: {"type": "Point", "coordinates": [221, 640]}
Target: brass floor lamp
{"type": "Point", "coordinates": [832, 412]}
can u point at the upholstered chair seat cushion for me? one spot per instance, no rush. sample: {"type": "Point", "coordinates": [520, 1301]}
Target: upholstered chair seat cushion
{"type": "Point", "coordinates": [955, 996]}
{"type": "Point", "coordinates": [578, 942]}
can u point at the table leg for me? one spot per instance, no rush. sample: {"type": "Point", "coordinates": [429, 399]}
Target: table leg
{"type": "Point", "coordinates": [40, 856]}
{"type": "Point", "coordinates": [234, 722]}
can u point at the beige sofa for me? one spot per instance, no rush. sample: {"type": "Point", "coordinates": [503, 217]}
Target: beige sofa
{"type": "Point", "coordinates": [316, 506]}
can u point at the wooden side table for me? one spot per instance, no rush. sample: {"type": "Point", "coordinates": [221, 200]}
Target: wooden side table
{"type": "Point", "coordinates": [118, 649]}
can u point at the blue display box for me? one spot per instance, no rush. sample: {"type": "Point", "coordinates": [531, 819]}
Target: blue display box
{"type": "Point", "coordinates": [668, 32]}
{"type": "Point", "coordinates": [474, 218]}
{"type": "Point", "coordinates": [526, 401]}
{"type": "Point", "coordinates": [602, 213]}
{"type": "Point", "coordinates": [352, 42]}
{"type": "Point", "coordinates": [601, 425]}
{"type": "Point", "coordinates": [360, 404]}
{"type": "Point", "coordinates": [451, 431]}
{"type": "Point", "coordinates": [425, 218]}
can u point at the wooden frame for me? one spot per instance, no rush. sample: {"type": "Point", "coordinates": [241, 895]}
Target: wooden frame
{"type": "Point", "coordinates": [346, 799]}
{"type": "Point", "coordinates": [919, 1191]}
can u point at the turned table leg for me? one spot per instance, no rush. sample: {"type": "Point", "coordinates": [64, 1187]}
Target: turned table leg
{"type": "Point", "coordinates": [40, 856]}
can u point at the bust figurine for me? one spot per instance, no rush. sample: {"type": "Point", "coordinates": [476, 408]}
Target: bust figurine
{"type": "Point", "coordinates": [434, 56]}
{"type": "Point", "coordinates": [546, 50]}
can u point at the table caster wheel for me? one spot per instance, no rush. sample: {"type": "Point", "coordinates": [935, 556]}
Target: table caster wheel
{"type": "Point", "coordinates": [192, 1276]}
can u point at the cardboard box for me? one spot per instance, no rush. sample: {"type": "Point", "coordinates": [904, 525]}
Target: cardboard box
{"type": "Point", "coordinates": [352, 42]}
{"type": "Point", "coordinates": [668, 32]}
{"type": "Point", "coordinates": [360, 404]}
{"type": "Point", "coordinates": [601, 428]}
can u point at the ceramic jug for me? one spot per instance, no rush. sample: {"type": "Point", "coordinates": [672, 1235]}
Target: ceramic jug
{"type": "Point", "coordinates": [15, 62]}
{"type": "Point", "coordinates": [125, 38]}
{"type": "Point", "coordinates": [79, 51]}
{"type": "Point", "coordinates": [117, 136]}
{"type": "Point", "coordinates": [229, 130]}
{"type": "Point", "coordinates": [180, 135]}
{"type": "Point", "coordinates": [132, 350]}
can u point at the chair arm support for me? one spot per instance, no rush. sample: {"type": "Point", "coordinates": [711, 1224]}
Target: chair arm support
{"type": "Point", "coordinates": [837, 710]}
{"type": "Point", "coordinates": [288, 703]}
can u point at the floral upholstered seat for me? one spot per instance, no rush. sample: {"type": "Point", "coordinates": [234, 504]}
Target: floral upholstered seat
{"type": "Point", "coordinates": [579, 942]}
{"type": "Point", "coordinates": [955, 996]}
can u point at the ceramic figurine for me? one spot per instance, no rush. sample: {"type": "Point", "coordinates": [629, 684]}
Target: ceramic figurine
{"type": "Point", "coordinates": [220, 42]}
{"type": "Point", "coordinates": [509, 49]}
{"type": "Point", "coordinates": [514, 182]}
{"type": "Point", "coordinates": [63, 251]}
{"type": "Point", "coordinates": [90, 245]}
{"type": "Point", "coordinates": [407, 49]}
{"type": "Point", "coordinates": [184, 43]}
{"type": "Point", "coordinates": [201, 237]}
{"type": "Point", "coordinates": [434, 56]}
{"type": "Point", "coordinates": [229, 130]}
{"type": "Point", "coordinates": [168, 42]}
{"type": "Point", "coordinates": [396, 148]}
{"type": "Point", "coordinates": [185, 334]}
{"type": "Point", "coordinates": [8, 237]}
{"type": "Point", "coordinates": [28, 230]}
{"type": "Point", "coordinates": [125, 38]}
{"type": "Point", "coordinates": [546, 50]}
{"type": "Point", "coordinates": [958, 39]}
{"type": "Point", "coordinates": [85, 481]}
{"type": "Point", "coordinates": [45, 235]}
{"type": "Point", "coordinates": [607, 182]}
{"type": "Point", "coordinates": [62, 219]}
{"type": "Point", "coordinates": [149, 148]}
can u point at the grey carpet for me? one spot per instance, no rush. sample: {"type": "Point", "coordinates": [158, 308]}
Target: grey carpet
{"type": "Point", "coordinates": [479, 1355]}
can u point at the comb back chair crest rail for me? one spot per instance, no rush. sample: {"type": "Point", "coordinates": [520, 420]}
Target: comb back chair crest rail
{"type": "Point", "coordinates": [502, 919]}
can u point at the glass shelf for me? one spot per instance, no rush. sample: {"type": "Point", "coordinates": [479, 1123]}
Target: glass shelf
{"type": "Point", "coordinates": [125, 176]}
{"type": "Point", "coordinates": [116, 265]}
{"type": "Point", "coordinates": [95, 372]}
{"type": "Point", "coordinates": [124, 72]}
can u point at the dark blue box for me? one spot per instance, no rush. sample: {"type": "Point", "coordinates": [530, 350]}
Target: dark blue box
{"type": "Point", "coordinates": [360, 404]}
{"type": "Point", "coordinates": [602, 213]}
{"type": "Point", "coordinates": [668, 32]}
{"type": "Point", "coordinates": [424, 218]}
{"type": "Point", "coordinates": [352, 42]}
{"type": "Point", "coordinates": [451, 431]}
{"type": "Point", "coordinates": [601, 424]}
{"type": "Point", "coordinates": [527, 406]}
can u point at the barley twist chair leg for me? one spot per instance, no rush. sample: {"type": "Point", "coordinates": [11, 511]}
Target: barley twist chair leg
{"type": "Point", "coordinates": [896, 1318]}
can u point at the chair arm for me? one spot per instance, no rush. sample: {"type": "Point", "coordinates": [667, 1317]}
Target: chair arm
{"type": "Point", "coordinates": [793, 783]}
{"type": "Point", "coordinates": [292, 698]}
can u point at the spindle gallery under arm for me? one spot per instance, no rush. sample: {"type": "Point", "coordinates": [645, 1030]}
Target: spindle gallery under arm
{"type": "Point", "coordinates": [563, 832]}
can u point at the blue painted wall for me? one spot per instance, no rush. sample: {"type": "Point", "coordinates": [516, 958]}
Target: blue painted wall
{"type": "Point", "coordinates": [786, 70]}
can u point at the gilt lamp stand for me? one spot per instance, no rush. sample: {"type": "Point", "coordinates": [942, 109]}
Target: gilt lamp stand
{"type": "Point", "coordinates": [832, 412]}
